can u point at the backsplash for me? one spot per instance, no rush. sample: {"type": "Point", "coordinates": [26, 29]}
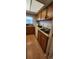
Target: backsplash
{"type": "Point", "coordinates": [47, 24]}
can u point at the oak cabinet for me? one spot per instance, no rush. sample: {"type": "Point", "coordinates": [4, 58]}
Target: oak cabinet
{"type": "Point", "coordinates": [50, 11]}
{"type": "Point", "coordinates": [39, 15]}
{"type": "Point", "coordinates": [46, 13]}
{"type": "Point", "coordinates": [30, 30]}
{"type": "Point", "coordinates": [43, 14]}
{"type": "Point", "coordinates": [42, 39]}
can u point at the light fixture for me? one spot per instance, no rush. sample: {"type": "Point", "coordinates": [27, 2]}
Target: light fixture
{"type": "Point", "coordinates": [34, 6]}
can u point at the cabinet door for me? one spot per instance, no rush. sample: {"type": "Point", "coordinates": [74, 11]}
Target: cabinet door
{"type": "Point", "coordinates": [50, 11]}
{"type": "Point", "coordinates": [43, 14]}
{"type": "Point", "coordinates": [39, 37]}
{"type": "Point", "coordinates": [30, 30]}
{"type": "Point", "coordinates": [42, 39]}
{"type": "Point", "coordinates": [39, 16]}
{"type": "Point", "coordinates": [44, 43]}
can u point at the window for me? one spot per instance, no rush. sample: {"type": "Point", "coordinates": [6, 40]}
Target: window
{"type": "Point", "coordinates": [29, 20]}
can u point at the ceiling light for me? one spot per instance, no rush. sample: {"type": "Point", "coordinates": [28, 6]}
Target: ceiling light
{"type": "Point", "coordinates": [35, 6]}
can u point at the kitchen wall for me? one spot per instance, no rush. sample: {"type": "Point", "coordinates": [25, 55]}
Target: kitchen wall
{"type": "Point", "coordinates": [47, 24]}
{"type": "Point", "coordinates": [34, 22]}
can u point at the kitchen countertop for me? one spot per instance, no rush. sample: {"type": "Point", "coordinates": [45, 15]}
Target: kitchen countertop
{"type": "Point", "coordinates": [42, 31]}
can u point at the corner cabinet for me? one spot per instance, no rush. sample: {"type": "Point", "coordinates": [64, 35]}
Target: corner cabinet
{"type": "Point", "coordinates": [42, 39]}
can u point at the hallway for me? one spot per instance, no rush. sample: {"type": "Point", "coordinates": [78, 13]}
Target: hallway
{"type": "Point", "coordinates": [34, 50]}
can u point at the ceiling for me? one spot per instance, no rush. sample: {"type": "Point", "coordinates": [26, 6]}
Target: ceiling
{"type": "Point", "coordinates": [33, 6]}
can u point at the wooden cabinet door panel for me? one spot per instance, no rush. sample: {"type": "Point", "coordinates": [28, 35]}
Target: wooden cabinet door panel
{"type": "Point", "coordinates": [44, 44]}
{"type": "Point", "coordinates": [30, 30]}
{"type": "Point", "coordinates": [50, 11]}
{"type": "Point", "coordinates": [42, 39]}
{"type": "Point", "coordinates": [43, 14]}
{"type": "Point", "coordinates": [39, 37]}
{"type": "Point", "coordinates": [39, 15]}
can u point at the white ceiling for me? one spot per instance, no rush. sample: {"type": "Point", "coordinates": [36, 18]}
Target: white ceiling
{"type": "Point", "coordinates": [35, 6]}
{"type": "Point", "coordinates": [28, 4]}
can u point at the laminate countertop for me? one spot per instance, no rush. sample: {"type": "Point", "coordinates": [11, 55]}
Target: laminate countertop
{"type": "Point", "coordinates": [42, 31]}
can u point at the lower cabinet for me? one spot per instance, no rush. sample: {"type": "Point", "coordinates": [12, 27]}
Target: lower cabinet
{"type": "Point", "coordinates": [30, 30]}
{"type": "Point", "coordinates": [42, 39]}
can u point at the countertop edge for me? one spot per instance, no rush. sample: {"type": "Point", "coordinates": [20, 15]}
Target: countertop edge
{"type": "Point", "coordinates": [43, 32]}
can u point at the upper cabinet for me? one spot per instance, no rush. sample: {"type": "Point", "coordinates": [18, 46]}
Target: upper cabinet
{"type": "Point", "coordinates": [50, 12]}
{"type": "Point", "coordinates": [46, 13]}
{"type": "Point", "coordinates": [43, 14]}
{"type": "Point", "coordinates": [39, 15]}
